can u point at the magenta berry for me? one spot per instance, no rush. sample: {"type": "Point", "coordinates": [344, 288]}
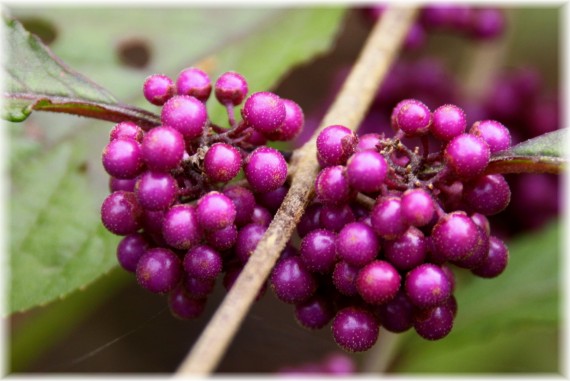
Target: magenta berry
{"type": "Point", "coordinates": [197, 288]}
{"type": "Point", "coordinates": [495, 261]}
{"type": "Point", "coordinates": [427, 286]}
{"type": "Point", "coordinates": [156, 190]}
{"type": "Point", "coordinates": [467, 155]}
{"type": "Point", "coordinates": [126, 130]}
{"type": "Point", "coordinates": [488, 195]}
{"type": "Point", "coordinates": [247, 240]}
{"type": "Point", "coordinates": [231, 88]}
{"type": "Point", "coordinates": [344, 278]}
{"type": "Point", "coordinates": [182, 306]}
{"type": "Point", "coordinates": [261, 216]}
{"type": "Point", "coordinates": [378, 282]}
{"type": "Point", "coordinates": [318, 250]}
{"type": "Point", "coordinates": [310, 220]}
{"type": "Point", "coordinates": [386, 218]}
{"type": "Point", "coordinates": [180, 227]}
{"type": "Point", "coordinates": [494, 133]}
{"type": "Point", "coordinates": [455, 236]}
{"type": "Point", "coordinates": [265, 169]}
{"type": "Point", "coordinates": [368, 142]}
{"type": "Point", "coordinates": [130, 250]}
{"type": "Point", "coordinates": [315, 312]}
{"type": "Point", "coordinates": [398, 314]}
{"type": "Point", "coordinates": [215, 211]}
{"type": "Point", "coordinates": [408, 250]}
{"type": "Point", "coordinates": [434, 323]}
{"type": "Point", "coordinates": [413, 118]}
{"type": "Point", "coordinates": [355, 329]}
{"type": "Point", "coordinates": [244, 202]}
{"type": "Point", "coordinates": [162, 148]}
{"type": "Point", "coordinates": [335, 144]}
{"type": "Point", "coordinates": [417, 207]}
{"type": "Point", "coordinates": [264, 111]}
{"type": "Point", "coordinates": [158, 88]}
{"type": "Point", "coordinates": [222, 162]}
{"type": "Point", "coordinates": [222, 239]}
{"type": "Point", "coordinates": [185, 114]}
{"type": "Point", "coordinates": [487, 23]}
{"type": "Point", "coordinates": [291, 281]}
{"type": "Point", "coordinates": [366, 171]}
{"type": "Point", "coordinates": [331, 186]}
{"type": "Point", "coordinates": [121, 214]}
{"type": "Point", "coordinates": [292, 125]}
{"type": "Point", "coordinates": [123, 159]}
{"type": "Point", "coordinates": [194, 82]}
{"type": "Point", "coordinates": [357, 244]}
{"type": "Point", "coordinates": [272, 200]}
{"type": "Point", "coordinates": [449, 121]}
{"type": "Point", "coordinates": [334, 218]}
{"type": "Point", "coordinates": [159, 270]}
{"type": "Point", "coordinates": [203, 262]}
{"type": "Point", "coordinates": [127, 185]}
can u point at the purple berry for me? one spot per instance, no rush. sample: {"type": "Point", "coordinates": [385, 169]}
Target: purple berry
{"type": "Point", "coordinates": [264, 112]}
{"type": "Point", "coordinates": [434, 323]}
{"type": "Point", "coordinates": [427, 286]}
{"type": "Point", "coordinates": [156, 190]}
{"type": "Point", "coordinates": [185, 114]}
{"type": "Point", "coordinates": [357, 244]}
{"type": "Point", "coordinates": [398, 314]}
{"type": "Point", "coordinates": [474, 260]}
{"type": "Point", "coordinates": [126, 130]}
{"type": "Point", "coordinates": [378, 282]}
{"type": "Point", "coordinates": [482, 222]}
{"type": "Point", "coordinates": [488, 195]}
{"type": "Point", "coordinates": [215, 211]}
{"type": "Point", "coordinates": [197, 288]}
{"type": "Point", "coordinates": [495, 261]}
{"type": "Point", "coordinates": [292, 282]}
{"type": "Point", "coordinates": [331, 186]}
{"type": "Point", "coordinates": [272, 200]}
{"type": "Point", "coordinates": [159, 270]}
{"type": "Point", "coordinates": [158, 88]}
{"type": "Point", "coordinates": [247, 240]}
{"type": "Point", "coordinates": [456, 237]}
{"type": "Point", "coordinates": [368, 142]}
{"type": "Point", "coordinates": [467, 155]}
{"type": "Point", "coordinates": [261, 216]}
{"type": "Point", "coordinates": [122, 158]}
{"type": "Point", "coordinates": [130, 250]}
{"type": "Point", "coordinates": [180, 227]}
{"type": "Point", "coordinates": [244, 202]}
{"type": "Point", "coordinates": [127, 185]}
{"type": "Point", "coordinates": [315, 312]}
{"type": "Point", "coordinates": [344, 278]}
{"type": "Point", "coordinates": [184, 307]}
{"type": "Point", "coordinates": [366, 171]}
{"type": "Point", "coordinates": [222, 239]}
{"type": "Point", "coordinates": [162, 148]}
{"type": "Point", "coordinates": [494, 133]}
{"type": "Point", "coordinates": [338, 364]}
{"type": "Point", "coordinates": [194, 82]}
{"type": "Point", "coordinates": [417, 207]}
{"type": "Point", "coordinates": [335, 144]}
{"type": "Point", "coordinates": [318, 250]}
{"type": "Point", "coordinates": [414, 118]}
{"type": "Point", "coordinates": [449, 121]}
{"type": "Point", "coordinates": [222, 162]}
{"type": "Point", "coordinates": [386, 218]}
{"type": "Point", "coordinates": [408, 250]}
{"type": "Point", "coordinates": [231, 88]}
{"type": "Point", "coordinates": [292, 125]}
{"type": "Point", "coordinates": [334, 218]}
{"type": "Point", "coordinates": [202, 262]}
{"type": "Point", "coordinates": [311, 220]}
{"type": "Point", "coordinates": [265, 169]}
{"type": "Point", "coordinates": [355, 329]}
{"type": "Point", "coordinates": [487, 23]}
{"type": "Point", "coordinates": [121, 214]}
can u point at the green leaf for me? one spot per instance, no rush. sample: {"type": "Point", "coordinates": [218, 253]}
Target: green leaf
{"type": "Point", "coordinates": [509, 308]}
{"type": "Point", "coordinates": [543, 154]}
{"type": "Point", "coordinates": [38, 80]}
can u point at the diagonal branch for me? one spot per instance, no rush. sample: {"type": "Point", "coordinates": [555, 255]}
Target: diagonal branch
{"type": "Point", "coordinates": [349, 108]}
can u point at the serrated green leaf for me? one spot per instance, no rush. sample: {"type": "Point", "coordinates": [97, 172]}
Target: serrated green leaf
{"type": "Point", "coordinates": [523, 299]}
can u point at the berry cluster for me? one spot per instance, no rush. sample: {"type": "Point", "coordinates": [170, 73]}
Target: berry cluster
{"type": "Point", "coordinates": [184, 225]}
{"type": "Point", "coordinates": [333, 364]}
{"type": "Point", "coordinates": [461, 19]}
{"type": "Point", "coordinates": [381, 237]}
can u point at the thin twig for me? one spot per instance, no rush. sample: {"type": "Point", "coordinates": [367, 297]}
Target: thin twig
{"type": "Point", "coordinates": [349, 109]}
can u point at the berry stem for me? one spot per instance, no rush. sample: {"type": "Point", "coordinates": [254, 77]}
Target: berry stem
{"type": "Point", "coordinates": [349, 108]}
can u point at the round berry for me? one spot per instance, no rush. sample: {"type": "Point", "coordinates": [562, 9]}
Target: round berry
{"type": "Point", "coordinates": [386, 218]}
{"type": "Point", "coordinates": [449, 121]}
{"type": "Point", "coordinates": [434, 323]}
{"type": "Point", "coordinates": [231, 88]}
{"type": "Point", "coordinates": [273, 200]}
{"type": "Point", "coordinates": [194, 82]}
{"type": "Point", "coordinates": [152, 225]}
{"type": "Point", "coordinates": [467, 155]}
{"type": "Point", "coordinates": [495, 261]}
{"type": "Point", "coordinates": [162, 148]}
{"type": "Point", "coordinates": [292, 125]}
{"type": "Point", "coordinates": [122, 158]}
{"type": "Point", "coordinates": [126, 130]}
{"type": "Point", "coordinates": [156, 190]}
{"type": "Point", "coordinates": [494, 133]}
{"type": "Point", "coordinates": [355, 329]}
{"type": "Point", "coordinates": [366, 171]}
{"type": "Point", "coordinates": [222, 239]}
{"type": "Point", "coordinates": [184, 307]}
{"type": "Point", "coordinates": [357, 244]}
{"type": "Point", "coordinates": [247, 240]}
{"type": "Point", "coordinates": [310, 220]}
{"type": "Point", "coordinates": [318, 250]}
{"type": "Point", "coordinates": [488, 194]}
{"type": "Point", "coordinates": [292, 282]}
{"type": "Point", "coordinates": [222, 162]}
{"type": "Point", "coordinates": [197, 288]}
{"type": "Point", "coordinates": [398, 314]}
{"type": "Point", "coordinates": [315, 312]}
{"type": "Point", "coordinates": [368, 142]}
{"type": "Point", "coordinates": [482, 222]}
{"type": "Point", "coordinates": [244, 202]}
{"type": "Point", "coordinates": [414, 118]}
{"type": "Point", "coordinates": [215, 211]}
{"type": "Point", "coordinates": [487, 23]}
{"type": "Point", "coordinates": [180, 227]}
{"type": "Point", "coordinates": [159, 270]}
{"type": "Point", "coordinates": [408, 250]}
{"type": "Point", "coordinates": [158, 88]}
{"type": "Point", "coordinates": [130, 250]}
{"type": "Point", "coordinates": [456, 237]}
{"type": "Point", "coordinates": [264, 112]}
{"type": "Point", "coordinates": [417, 207]}
{"type": "Point", "coordinates": [127, 185]}
{"type": "Point", "coordinates": [261, 216]}
{"type": "Point", "coordinates": [344, 278]}
{"type": "Point", "coordinates": [335, 144]}
{"type": "Point", "coordinates": [265, 169]}
{"type": "Point", "coordinates": [202, 262]}
{"type": "Point", "coordinates": [121, 214]}
{"type": "Point", "coordinates": [378, 282]}
{"type": "Point", "coordinates": [331, 186]}
{"type": "Point", "coordinates": [427, 286]}
{"type": "Point", "coordinates": [474, 260]}
{"type": "Point", "coordinates": [186, 114]}
{"type": "Point", "coordinates": [334, 218]}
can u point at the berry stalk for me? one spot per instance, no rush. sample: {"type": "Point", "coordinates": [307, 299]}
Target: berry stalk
{"type": "Point", "coordinates": [350, 106]}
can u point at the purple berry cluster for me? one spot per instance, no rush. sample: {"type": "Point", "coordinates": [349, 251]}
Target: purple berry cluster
{"type": "Point", "coordinates": [381, 238]}
{"type": "Point", "coordinates": [333, 364]}
{"type": "Point", "coordinates": [175, 198]}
